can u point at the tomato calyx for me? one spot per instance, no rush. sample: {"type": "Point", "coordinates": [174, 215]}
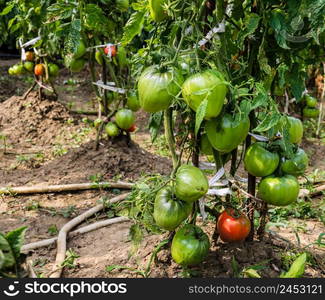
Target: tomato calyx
{"type": "Point", "coordinates": [233, 212]}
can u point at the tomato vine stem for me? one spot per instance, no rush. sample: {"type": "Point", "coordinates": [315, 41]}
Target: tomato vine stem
{"type": "Point", "coordinates": [168, 121]}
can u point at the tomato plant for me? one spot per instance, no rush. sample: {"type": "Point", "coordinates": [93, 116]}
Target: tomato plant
{"type": "Point", "coordinates": [215, 76]}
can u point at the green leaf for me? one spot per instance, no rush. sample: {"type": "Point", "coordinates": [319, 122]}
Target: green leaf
{"type": "Point", "coordinates": [200, 114]}
{"type": "Point", "coordinates": [133, 27]}
{"type": "Point", "coordinates": [321, 239]}
{"type": "Point", "coordinates": [7, 9]}
{"type": "Point", "coordinates": [245, 108]}
{"type": "Point", "coordinates": [268, 122]}
{"type": "Point", "coordinates": [136, 236]}
{"type": "Point", "coordinates": [74, 36]}
{"type": "Point", "coordinates": [155, 123]}
{"type": "Point", "coordinates": [9, 259]}
{"type": "Point", "coordinates": [95, 19]}
{"type": "Point", "coordinates": [16, 239]}
{"type": "Point", "coordinates": [2, 259]}
{"type": "Point", "coordinates": [237, 11]}
{"type": "Point", "coordinates": [297, 268]}
{"type": "Point", "coordinates": [278, 23]}
{"type": "Point", "coordinates": [251, 22]}
{"type": "Point", "coordinates": [251, 273]}
{"type": "Point", "coordinates": [261, 100]}
{"type": "Point", "coordinates": [11, 22]}
{"type": "Point", "coordinates": [297, 82]}
{"type": "Point", "coordinates": [268, 71]}
{"type": "Point", "coordinates": [235, 267]}
{"type": "Point", "coordinates": [282, 70]}
{"type": "Point", "coordinates": [114, 267]}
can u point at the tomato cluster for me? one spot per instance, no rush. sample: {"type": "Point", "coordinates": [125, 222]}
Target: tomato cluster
{"type": "Point", "coordinates": [310, 110]}
{"type": "Point", "coordinates": [124, 120]}
{"type": "Point", "coordinates": [173, 205]}
{"type": "Point", "coordinates": [29, 65]}
{"type": "Point", "coordinates": [279, 185]}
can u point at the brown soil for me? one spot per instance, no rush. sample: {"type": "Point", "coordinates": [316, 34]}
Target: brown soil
{"type": "Point", "coordinates": [112, 246]}
{"type": "Point", "coordinates": [315, 150]}
{"type": "Point", "coordinates": [32, 120]}
{"type": "Point", "coordinates": [113, 160]}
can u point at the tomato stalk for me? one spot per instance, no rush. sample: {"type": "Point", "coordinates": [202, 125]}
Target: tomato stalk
{"type": "Point", "coordinates": [92, 71]}
{"type": "Point", "coordinates": [263, 220]}
{"type": "Point", "coordinates": [217, 159]}
{"type": "Point", "coordinates": [168, 126]}
{"type": "Point", "coordinates": [251, 185]}
{"type": "Point", "coordinates": [104, 76]}
{"type": "Point", "coordinates": [233, 167]}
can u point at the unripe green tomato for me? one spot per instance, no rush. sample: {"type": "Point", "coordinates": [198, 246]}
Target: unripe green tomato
{"type": "Point", "coordinates": [297, 165]}
{"type": "Point", "coordinates": [190, 245]}
{"type": "Point", "coordinates": [279, 191]}
{"type": "Point", "coordinates": [227, 133]}
{"type": "Point", "coordinates": [133, 102]}
{"type": "Point", "coordinates": [29, 66]}
{"type": "Point", "coordinates": [259, 161]}
{"type": "Point", "coordinates": [111, 129]}
{"type": "Point", "coordinates": [170, 212]}
{"type": "Point", "coordinates": [296, 130]}
{"type": "Point", "coordinates": [124, 118]}
{"type": "Point", "coordinates": [53, 70]}
{"type": "Point", "coordinates": [190, 183]}
{"type": "Point", "coordinates": [11, 71]}
{"type": "Point", "coordinates": [80, 51]}
{"type": "Point", "coordinates": [208, 85]}
{"type": "Point", "coordinates": [310, 101]}
{"type": "Point", "coordinates": [18, 69]}
{"type": "Point", "coordinates": [76, 65]}
{"type": "Point", "coordinates": [310, 112]}
{"type": "Point", "coordinates": [157, 88]}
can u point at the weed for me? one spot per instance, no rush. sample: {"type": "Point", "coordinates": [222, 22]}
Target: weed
{"type": "Point", "coordinates": [53, 230]}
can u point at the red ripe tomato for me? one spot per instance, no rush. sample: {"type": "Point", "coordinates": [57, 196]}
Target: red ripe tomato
{"type": "Point", "coordinates": [110, 50]}
{"type": "Point", "coordinates": [132, 128]}
{"type": "Point", "coordinates": [233, 228]}
{"type": "Point", "coordinates": [39, 69]}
